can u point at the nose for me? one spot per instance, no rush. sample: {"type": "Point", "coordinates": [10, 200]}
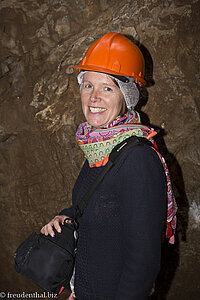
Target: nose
{"type": "Point", "coordinates": [94, 97]}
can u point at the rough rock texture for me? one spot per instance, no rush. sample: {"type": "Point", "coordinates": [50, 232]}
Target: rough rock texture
{"type": "Point", "coordinates": [40, 110]}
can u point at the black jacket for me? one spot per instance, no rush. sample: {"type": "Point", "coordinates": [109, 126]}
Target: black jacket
{"type": "Point", "coordinates": [119, 244]}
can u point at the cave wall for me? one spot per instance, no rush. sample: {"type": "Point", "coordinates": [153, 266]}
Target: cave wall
{"type": "Point", "coordinates": [40, 104]}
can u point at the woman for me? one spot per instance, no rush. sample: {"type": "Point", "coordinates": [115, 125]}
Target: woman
{"type": "Point", "coordinates": [119, 245]}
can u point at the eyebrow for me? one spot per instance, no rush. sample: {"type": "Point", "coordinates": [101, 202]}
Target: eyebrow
{"type": "Point", "coordinates": [108, 83]}
{"type": "Point", "coordinates": [103, 83]}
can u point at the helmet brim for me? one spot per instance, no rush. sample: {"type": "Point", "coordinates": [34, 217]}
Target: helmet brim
{"type": "Point", "coordinates": [139, 79]}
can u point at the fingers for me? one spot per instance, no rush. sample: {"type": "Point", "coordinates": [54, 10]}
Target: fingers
{"type": "Point", "coordinates": [62, 219]}
{"type": "Point", "coordinates": [55, 222]}
{"type": "Point", "coordinates": [48, 229]}
{"type": "Point", "coordinates": [67, 221]}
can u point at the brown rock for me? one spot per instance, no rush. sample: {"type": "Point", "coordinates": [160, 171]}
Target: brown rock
{"type": "Point", "coordinates": [40, 111]}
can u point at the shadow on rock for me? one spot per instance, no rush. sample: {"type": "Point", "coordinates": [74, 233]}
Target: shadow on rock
{"type": "Point", "coordinates": [170, 253]}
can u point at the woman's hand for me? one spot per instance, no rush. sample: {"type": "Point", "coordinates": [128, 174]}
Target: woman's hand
{"type": "Point", "coordinates": [55, 222]}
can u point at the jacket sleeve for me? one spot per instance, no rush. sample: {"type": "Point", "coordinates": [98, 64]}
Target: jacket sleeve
{"type": "Point", "coordinates": [143, 208]}
{"type": "Point", "coordinates": [67, 212]}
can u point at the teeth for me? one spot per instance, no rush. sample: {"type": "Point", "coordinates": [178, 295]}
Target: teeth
{"type": "Point", "coordinates": [97, 109]}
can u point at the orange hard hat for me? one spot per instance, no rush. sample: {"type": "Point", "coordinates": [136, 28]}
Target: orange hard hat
{"type": "Point", "coordinates": [114, 54]}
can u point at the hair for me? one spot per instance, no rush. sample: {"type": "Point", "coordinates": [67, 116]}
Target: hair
{"type": "Point", "coordinates": [124, 108]}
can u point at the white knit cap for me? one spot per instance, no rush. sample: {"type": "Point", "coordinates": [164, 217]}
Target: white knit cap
{"type": "Point", "coordinates": [128, 89]}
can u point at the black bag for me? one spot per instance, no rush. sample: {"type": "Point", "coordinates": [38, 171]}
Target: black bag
{"type": "Point", "coordinates": [49, 261]}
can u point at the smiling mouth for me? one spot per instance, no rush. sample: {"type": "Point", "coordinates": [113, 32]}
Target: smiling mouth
{"type": "Point", "coordinates": [96, 109]}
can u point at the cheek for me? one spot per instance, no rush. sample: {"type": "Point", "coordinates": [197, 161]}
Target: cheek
{"type": "Point", "coordinates": [83, 102]}
{"type": "Point", "coordinates": [117, 107]}
{"type": "Point", "coordinates": [82, 98]}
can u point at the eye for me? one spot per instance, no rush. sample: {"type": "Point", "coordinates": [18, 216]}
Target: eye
{"type": "Point", "coordinates": [108, 89]}
{"type": "Point", "coordinates": [87, 85]}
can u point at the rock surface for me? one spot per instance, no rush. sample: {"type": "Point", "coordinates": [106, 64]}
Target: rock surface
{"type": "Point", "coordinates": [40, 111]}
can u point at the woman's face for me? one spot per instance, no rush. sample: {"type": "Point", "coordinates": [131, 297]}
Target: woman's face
{"type": "Point", "coordinates": [101, 99]}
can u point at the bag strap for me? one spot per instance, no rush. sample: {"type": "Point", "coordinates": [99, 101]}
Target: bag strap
{"type": "Point", "coordinates": [114, 156]}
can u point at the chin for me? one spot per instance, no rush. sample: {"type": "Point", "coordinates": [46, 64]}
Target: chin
{"type": "Point", "coordinates": [95, 123]}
